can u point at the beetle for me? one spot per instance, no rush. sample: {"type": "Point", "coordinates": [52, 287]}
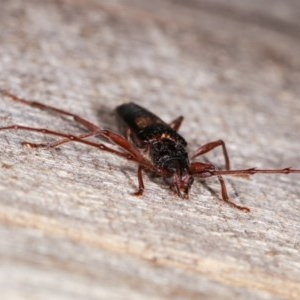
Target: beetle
{"type": "Point", "coordinates": [155, 146]}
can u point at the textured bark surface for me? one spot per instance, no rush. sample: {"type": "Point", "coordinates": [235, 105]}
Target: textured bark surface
{"type": "Point", "coordinates": [69, 227]}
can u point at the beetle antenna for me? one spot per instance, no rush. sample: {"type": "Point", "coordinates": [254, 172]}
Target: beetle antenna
{"type": "Point", "coordinates": [252, 171]}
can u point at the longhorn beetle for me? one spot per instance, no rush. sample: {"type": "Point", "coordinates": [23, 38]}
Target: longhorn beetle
{"type": "Point", "coordinates": [152, 144]}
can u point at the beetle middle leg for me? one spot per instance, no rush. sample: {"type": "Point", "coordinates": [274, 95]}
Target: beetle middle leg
{"type": "Point", "coordinates": [210, 146]}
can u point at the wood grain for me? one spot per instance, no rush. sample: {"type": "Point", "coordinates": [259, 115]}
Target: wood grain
{"type": "Point", "coordinates": [69, 226]}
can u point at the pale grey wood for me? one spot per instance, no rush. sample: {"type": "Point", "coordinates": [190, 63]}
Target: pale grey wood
{"type": "Point", "coordinates": [69, 228]}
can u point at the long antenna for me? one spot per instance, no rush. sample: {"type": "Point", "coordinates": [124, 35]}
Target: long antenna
{"type": "Point", "coordinates": [253, 171]}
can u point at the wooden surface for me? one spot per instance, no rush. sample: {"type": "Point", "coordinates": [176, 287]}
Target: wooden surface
{"type": "Point", "coordinates": [69, 228]}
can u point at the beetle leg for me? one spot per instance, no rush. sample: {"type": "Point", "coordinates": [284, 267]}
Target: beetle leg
{"type": "Point", "coordinates": [175, 124]}
{"type": "Point", "coordinates": [141, 188]}
{"type": "Point", "coordinates": [129, 154]}
{"type": "Point", "coordinates": [204, 170]}
{"type": "Point", "coordinates": [210, 146]}
{"type": "Point", "coordinates": [60, 142]}
{"type": "Point", "coordinates": [85, 123]}
{"type": "Point", "coordinates": [226, 198]}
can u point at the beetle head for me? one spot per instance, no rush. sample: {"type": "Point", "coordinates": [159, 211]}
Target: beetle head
{"type": "Point", "coordinates": [180, 180]}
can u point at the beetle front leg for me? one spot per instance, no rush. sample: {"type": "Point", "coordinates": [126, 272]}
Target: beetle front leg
{"type": "Point", "coordinates": [204, 170]}
{"type": "Point", "coordinates": [226, 198]}
{"type": "Point", "coordinates": [141, 188]}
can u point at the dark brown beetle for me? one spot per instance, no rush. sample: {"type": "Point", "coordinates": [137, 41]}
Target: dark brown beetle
{"type": "Point", "coordinates": [154, 145]}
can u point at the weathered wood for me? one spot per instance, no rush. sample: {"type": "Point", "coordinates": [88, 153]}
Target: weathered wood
{"type": "Point", "coordinates": [69, 227]}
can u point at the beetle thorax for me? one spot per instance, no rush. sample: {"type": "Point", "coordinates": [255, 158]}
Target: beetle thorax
{"type": "Point", "coordinates": [171, 157]}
